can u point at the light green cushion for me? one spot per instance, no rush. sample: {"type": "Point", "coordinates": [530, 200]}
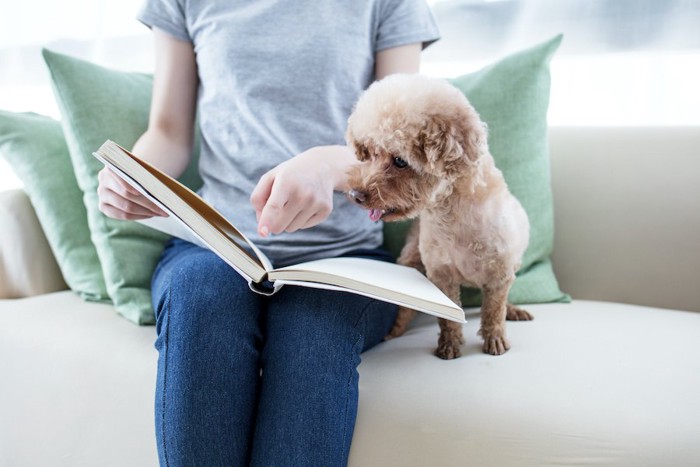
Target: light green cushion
{"type": "Point", "coordinates": [512, 97]}
{"type": "Point", "coordinates": [35, 148]}
{"type": "Point", "coordinates": [97, 104]}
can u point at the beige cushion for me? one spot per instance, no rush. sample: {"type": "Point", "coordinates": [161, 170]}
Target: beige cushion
{"type": "Point", "coordinates": [76, 385]}
{"type": "Point", "coordinates": [627, 214]}
{"type": "Point", "coordinates": [27, 265]}
{"type": "Point", "coordinates": [585, 382]}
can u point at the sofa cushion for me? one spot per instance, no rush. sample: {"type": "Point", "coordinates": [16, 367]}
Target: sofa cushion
{"type": "Point", "coordinates": [78, 385]}
{"type": "Point", "coordinates": [27, 266]}
{"type": "Point", "coordinates": [97, 104]}
{"type": "Point", "coordinates": [36, 150]}
{"type": "Point", "coordinates": [512, 97]}
{"type": "Point", "coordinates": [586, 382]}
{"type": "Point", "coordinates": [627, 203]}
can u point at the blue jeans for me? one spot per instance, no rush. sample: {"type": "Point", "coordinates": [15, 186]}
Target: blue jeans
{"type": "Point", "coordinates": [245, 379]}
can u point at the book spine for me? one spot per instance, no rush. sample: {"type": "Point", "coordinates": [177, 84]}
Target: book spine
{"type": "Point", "coordinates": [264, 287]}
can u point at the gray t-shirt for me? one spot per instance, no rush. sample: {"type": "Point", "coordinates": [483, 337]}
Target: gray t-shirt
{"type": "Point", "coordinates": [277, 78]}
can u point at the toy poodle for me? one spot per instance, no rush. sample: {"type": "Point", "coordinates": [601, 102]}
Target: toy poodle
{"type": "Point", "coordinates": [424, 155]}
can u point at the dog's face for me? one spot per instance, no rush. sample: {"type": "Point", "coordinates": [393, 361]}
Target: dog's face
{"type": "Point", "coordinates": [392, 183]}
{"type": "Point", "coordinates": [414, 136]}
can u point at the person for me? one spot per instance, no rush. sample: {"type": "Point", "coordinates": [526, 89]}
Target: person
{"type": "Point", "coordinates": [246, 379]}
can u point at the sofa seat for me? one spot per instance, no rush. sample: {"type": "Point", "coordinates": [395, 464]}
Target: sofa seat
{"type": "Point", "coordinates": [81, 385]}
{"type": "Point", "coordinates": [594, 382]}
{"type": "Point", "coordinates": [585, 383]}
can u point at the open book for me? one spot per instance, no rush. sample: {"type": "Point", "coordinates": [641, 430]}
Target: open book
{"type": "Point", "coordinates": [192, 219]}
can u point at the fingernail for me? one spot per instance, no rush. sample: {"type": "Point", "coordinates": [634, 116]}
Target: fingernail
{"type": "Point", "coordinates": [264, 231]}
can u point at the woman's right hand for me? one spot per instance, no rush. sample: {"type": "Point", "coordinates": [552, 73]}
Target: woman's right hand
{"type": "Point", "coordinates": [119, 200]}
{"type": "Point", "coordinates": [167, 142]}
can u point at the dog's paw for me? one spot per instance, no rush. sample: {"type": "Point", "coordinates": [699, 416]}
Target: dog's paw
{"type": "Point", "coordinates": [497, 345]}
{"type": "Point", "coordinates": [396, 331]}
{"type": "Point", "coordinates": [448, 350]}
{"type": "Point", "coordinates": [449, 346]}
{"type": "Point", "coordinates": [514, 313]}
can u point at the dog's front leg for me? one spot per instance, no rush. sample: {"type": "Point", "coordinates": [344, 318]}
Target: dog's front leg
{"type": "Point", "coordinates": [410, 253]}
{"type": "Point", "coordinates": [404, 316]}
{"type": "Point", "coordinates": [493, 319]}
{"type": "Point", "coordinates": [450, 339]}
{"type": "Point", "coordinates": [410, 256]}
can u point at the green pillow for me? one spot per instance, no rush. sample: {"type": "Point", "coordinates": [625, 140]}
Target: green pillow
{"type": "Point", "coordinates": [97, 104]}
{"type": "Point", "coordinates": [34, 147]}
{"type": "Point", "coordinates": [512, 96]}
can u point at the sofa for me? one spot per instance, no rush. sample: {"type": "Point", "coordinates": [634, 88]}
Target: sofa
{"type": "Point", "coordinates": [612, 378]}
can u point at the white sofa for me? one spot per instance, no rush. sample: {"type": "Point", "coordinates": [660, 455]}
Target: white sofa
{"type": "Point", "coordinates": [612, 378]}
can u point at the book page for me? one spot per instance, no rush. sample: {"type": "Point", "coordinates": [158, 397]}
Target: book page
{"type": "Point", "coordinates": [172, 227]}
{"type": "Point", "coordinates": [205, 210]}
{"type": "Point", "coordinates": [387, 281]}
{"type": "Point", "coordinates": [171, 190]}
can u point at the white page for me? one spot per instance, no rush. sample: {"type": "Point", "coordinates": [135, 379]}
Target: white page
{"type": "Point", "coordinates": [388, 276]}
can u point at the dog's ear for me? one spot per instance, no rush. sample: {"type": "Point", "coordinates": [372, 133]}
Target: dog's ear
{"type": "Point", "coordinates": [471, 134]}
{"type": "Point", "coordinates": [449, 145]}
{"type": "Point", "coordinates": [361, 150]}
{"type": "Point", "coordinates": [457, 146]}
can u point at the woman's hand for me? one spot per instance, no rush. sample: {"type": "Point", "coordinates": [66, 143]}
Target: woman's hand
{"type": "Point", "coordinates": [167, 143]}
{"type": "Point", "coordinates": [120, 200]}
{"type": "Point", "coordinates": [298, 193]}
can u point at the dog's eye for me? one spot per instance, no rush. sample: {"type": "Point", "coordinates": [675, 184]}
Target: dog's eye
{"type": "Point", "coordinates": [400, 163]}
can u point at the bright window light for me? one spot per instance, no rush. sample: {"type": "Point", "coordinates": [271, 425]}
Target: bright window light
{"type": "Point", "coordinates": [622, 62]}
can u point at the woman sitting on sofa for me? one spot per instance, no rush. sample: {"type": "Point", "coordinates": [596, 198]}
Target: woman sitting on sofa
{"type": "Point", "coordinates": [246, 379]}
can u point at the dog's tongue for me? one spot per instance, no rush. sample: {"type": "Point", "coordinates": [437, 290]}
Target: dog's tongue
{"type": "Point", "coordinates": [375, 214]}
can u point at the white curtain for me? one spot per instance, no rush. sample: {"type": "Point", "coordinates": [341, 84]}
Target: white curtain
{"type": "Point", "coordinates": [622, 62]}
{"type": "Point", "coordinates": [103, 31]}
{"type": "Point", "coordinates": [615, 52]}
{"type": "Point", "coordinates": [482, 28]}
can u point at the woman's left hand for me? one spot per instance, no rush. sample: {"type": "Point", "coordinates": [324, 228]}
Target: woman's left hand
{"type": "Point", "coordinates": [298, 193]}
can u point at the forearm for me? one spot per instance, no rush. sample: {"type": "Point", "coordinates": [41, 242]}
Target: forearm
{"type": "Point", "coordinates": [298, 193]}
{"type": "Point", "coordinates": [337, 161]}
{"type": "Point", "coordinates": [168, 153]}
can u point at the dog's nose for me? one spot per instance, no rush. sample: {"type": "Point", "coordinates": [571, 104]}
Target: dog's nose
{"type": "Point", "coordinates": [357, 196]}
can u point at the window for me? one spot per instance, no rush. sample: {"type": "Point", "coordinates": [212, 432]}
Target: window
{"type": "Point", "coordinates": [622, 62]}
{"type": "Point", "coordinates": [103, 31]}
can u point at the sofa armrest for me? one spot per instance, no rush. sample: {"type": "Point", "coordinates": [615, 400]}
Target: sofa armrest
{"type": "Point", "coordinates": [627, 214]}
{"type": "Point", "coordinates": [27, 265]}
